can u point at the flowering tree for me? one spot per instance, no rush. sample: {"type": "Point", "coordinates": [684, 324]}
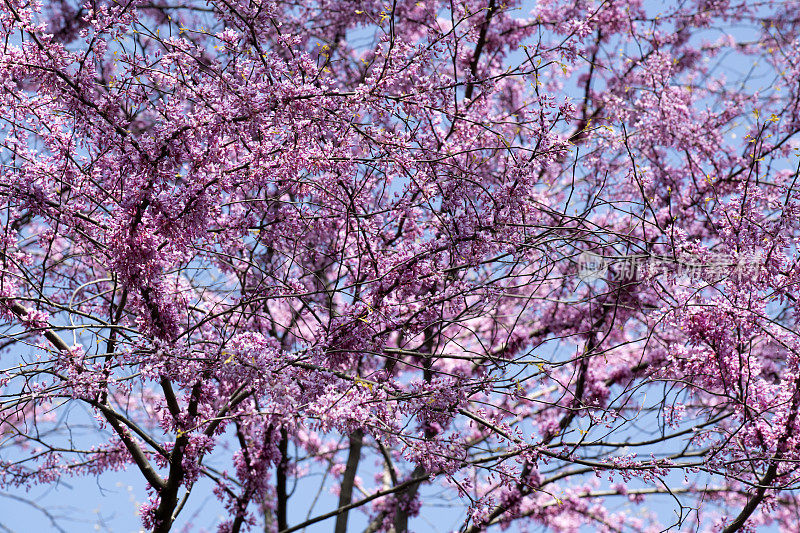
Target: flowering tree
{"type": "Point", "coordinates": [262, 240]}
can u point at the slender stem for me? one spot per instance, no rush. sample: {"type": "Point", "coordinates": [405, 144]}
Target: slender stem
{"type": "Point", "coordinates": [346, 492]}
